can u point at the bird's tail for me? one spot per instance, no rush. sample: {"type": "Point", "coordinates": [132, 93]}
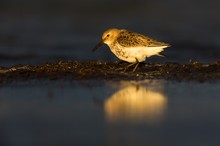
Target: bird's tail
{"type": "Point", "coordinates": [161, 54]}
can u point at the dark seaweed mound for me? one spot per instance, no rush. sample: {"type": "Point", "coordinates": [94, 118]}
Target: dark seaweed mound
{"type": "Point", "coordinates": [112, 71]}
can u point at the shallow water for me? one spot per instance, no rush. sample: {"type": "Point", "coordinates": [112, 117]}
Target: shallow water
{"type": "Point", "coordinates": [110, 113]}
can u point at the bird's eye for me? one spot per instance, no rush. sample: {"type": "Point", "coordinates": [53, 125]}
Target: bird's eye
{"type": "Point", "coordinates": [108, 35]}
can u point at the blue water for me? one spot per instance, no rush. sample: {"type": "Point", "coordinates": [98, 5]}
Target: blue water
{"type": "Point", "coordinates": [110, 113]}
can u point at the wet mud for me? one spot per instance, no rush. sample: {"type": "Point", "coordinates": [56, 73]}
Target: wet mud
{"type": "Point", "coordinates": [75, 70]}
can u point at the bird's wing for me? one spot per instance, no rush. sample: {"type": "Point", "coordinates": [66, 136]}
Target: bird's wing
{"type": "Point", "coordinates": [133, 39]}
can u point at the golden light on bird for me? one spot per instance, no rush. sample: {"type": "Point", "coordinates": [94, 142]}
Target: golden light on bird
{"type": "Point", "coordinates": [131, 46]}
{"type": "Point", "coordinates": [135, 104]}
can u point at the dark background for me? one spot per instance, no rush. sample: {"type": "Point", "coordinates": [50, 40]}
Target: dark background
{"type": "Point", "coordinates": [39, 31]}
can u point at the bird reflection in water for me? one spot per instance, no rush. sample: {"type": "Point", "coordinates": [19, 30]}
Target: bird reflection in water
{"type": "Point", "coordinates": [135, 104]}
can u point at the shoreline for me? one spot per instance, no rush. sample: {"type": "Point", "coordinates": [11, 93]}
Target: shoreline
{"type": "Point", "coordinates": [76, 70]}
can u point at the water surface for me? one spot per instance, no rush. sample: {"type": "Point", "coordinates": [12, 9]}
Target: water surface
{"type": "Point", "coordinates": [110, 113]}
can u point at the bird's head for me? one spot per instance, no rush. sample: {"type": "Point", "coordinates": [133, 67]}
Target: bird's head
{"type": "Point", "coordinates": [108, 37]}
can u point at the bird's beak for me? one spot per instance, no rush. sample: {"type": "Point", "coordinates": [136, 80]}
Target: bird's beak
{"type": "Point", "coordinates": [97, 46]}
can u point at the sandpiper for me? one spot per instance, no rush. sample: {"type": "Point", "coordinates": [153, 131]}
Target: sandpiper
{"type": "Point", "coordinates": [130, 46]}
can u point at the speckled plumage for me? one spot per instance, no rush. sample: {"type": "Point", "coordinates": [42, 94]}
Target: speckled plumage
{"type": "Point", "coordinates": [131, 46]}
{"type": "Point", "coordinates": [133, 39]}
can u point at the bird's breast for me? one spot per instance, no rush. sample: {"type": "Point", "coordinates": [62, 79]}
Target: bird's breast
{"type": "Point", "coordinates": [119, 50]}
{"type": "Point", "coordinates": [122, 53]}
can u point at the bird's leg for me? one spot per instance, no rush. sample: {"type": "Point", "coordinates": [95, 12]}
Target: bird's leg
{"type": "Point", "coordinates": [128, 66]}
{"type": "Point", "coordinates": [125, 68]}
{"type": "Point", "coordinates": [137, 63]}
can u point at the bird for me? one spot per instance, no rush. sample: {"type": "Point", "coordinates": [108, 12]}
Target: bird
{"type": "Point", "coordinates": [131, 46]}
